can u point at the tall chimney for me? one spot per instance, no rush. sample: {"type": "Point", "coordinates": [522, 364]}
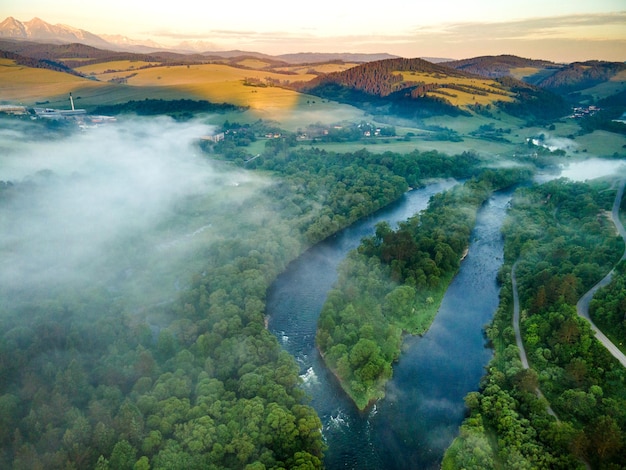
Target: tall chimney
{"type": "Point", "coordinates": [71, 101]}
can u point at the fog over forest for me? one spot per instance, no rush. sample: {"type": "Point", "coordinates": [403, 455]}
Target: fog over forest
{"type": "Point", "coordinates": [111, 205]}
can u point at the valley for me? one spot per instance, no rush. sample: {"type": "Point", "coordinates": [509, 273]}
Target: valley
{"type": "Point", "coordinates": [142, 259]}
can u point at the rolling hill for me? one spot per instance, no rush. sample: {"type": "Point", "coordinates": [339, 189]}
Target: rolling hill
{"type": "Point", "coordinates": [415, 88]}
{"type": "Point", "coordinates": [593, 80]}
{"type": "Point", "coordinates": [579, 76]}
{"type": "Point", "coordinates": [528, 70]}
{"type": "Point", "coordinates": [533, 90]}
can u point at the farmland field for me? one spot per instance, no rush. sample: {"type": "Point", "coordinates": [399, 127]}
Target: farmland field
{"type": "Point", "coordinates": [29, 85]}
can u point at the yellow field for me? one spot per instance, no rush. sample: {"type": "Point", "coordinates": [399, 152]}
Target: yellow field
{"type": "Point", "coordinates": [461, 98]}
{"type": "Point", "coordinates": [319, 68]}
{"type": "Point", "coordinates": [254, 63]}
{"type": "Point", "coordinates": [121, 65]}
{"type": "Point", "coordinates": [206, 74]}
{"type": "Point", "coordinates": [221, 83]}
{"type": "Point", "coordinates": [28, 85]}
{"type": "Point", "coordinates": [213, 82]}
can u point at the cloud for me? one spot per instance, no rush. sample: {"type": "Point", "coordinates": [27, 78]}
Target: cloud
{"type": "Point", "coordinates": [122, 204]}
{"type": "Point", "coordinates": [577, 27]}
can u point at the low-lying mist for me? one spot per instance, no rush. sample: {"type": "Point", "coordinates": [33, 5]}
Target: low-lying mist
{"type": "Point", "coordinates": [121, 207]}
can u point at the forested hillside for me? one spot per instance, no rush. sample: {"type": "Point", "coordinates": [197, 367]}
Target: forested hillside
{"type": "Point", "coordinates": [415, 88]}
{"type": "Point", "coordinates": [498, 66]}
{"type": "Point", "coordinates": [580, 75]}
{"type": "Point", "coordinates": [380, 78]}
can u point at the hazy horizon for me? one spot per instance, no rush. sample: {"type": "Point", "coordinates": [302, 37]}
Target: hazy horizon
{"type": "Point", "coordinates": [573, 31]}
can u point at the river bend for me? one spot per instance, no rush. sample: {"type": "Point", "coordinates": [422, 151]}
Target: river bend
{"type": "Point", "coordinates": [421, 414]}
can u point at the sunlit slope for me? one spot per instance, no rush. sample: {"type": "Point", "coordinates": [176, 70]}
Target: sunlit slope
{"type": "Point", "coordinates": [217, 83]}
{"type": "Point", "coordinates": [328, 67]}
{"type": "Point", "coordinates": [29, 85]}
{"type": "Point", "coordinates": [459, 91]}
{"type": "Point", "coordinates": [222, 84]}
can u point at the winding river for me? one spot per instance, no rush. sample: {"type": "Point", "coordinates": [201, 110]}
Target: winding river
{"type": "Point", "coordinates": [415, 423]}
{"type": "Point", "coordinates": [421, 414]}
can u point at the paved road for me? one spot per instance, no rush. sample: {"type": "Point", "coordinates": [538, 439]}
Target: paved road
{"type": "Point", "coordinates": [518, 335]}
{"type": "Point", "coordinates": [582, 307]}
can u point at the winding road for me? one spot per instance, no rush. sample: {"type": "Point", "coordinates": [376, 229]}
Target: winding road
{"type": "Point", "coordinates": [582, 307]}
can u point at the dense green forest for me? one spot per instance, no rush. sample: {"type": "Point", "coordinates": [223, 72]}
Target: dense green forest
{"type": "Point", "coordinates": [608, 308]}
{"type": "Point", "coordinates": [196, 381]}
{"type": "Point", "coordinates": [151, 107]}
{"type": "Point", "coordinates": [563, 242]}
{"type": "Point", "coordinates": [533, 103]}
{"type": "Point", "coordinates": [394, 284]}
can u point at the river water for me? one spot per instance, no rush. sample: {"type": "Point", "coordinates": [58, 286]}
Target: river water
{"type": "Point", "coordinates": [423, 408]}
{"type": "Point", "coordinates": [419, 417]}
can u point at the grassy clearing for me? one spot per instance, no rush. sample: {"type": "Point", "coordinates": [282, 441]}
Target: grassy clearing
{"type": "Point", "coordinates": [90, 94]}
{"type": "Point", "coordinates": [522, 72]}
{"type": "Point", "coordinates": [602, 144]}
{"type": "Point", "coordinates": [74, 59]}
{"type": "Point", "coordinates": [608, 88]}
{"type": "Point", "coordinates": [481, 147]}
{"type": "Point", "coordinates": [254, 63]}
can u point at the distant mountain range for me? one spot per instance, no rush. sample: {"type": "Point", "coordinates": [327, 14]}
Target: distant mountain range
{"type": "Point", "coordinates": [37, 30]}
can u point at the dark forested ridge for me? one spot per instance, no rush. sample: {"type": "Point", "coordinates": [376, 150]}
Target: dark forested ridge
{"type": "Point", "coordinates": [152, 107]}
{"type": "Point", "coordinates": [580, 75]}
{"type": "Point", "coordinates": [37, 63]}
{"type": "Point", "coordinates": [89, 54]}
{"type": "Point", "coordinates": [498, 66]}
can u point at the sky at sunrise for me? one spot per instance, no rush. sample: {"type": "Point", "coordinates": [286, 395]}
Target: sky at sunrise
{"type": "Point", "coordinates": [565, 30]}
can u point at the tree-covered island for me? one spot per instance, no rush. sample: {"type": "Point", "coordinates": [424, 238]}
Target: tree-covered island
{"type": "Point", "coordinates": [394, 282]}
